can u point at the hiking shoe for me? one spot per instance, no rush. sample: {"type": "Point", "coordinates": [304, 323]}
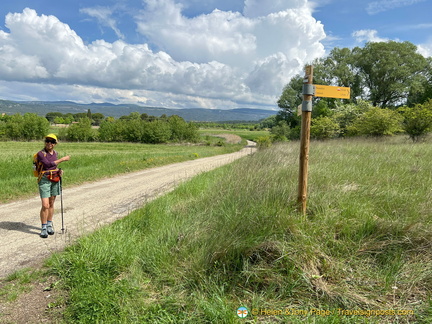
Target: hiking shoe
{"type": "Point", "coordinates": [44, 233]}
{"type": "Point", "coordinates": [50, 230]}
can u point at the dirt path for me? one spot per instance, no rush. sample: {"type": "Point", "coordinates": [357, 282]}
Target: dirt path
{"type": "Point", "coordinates": [88, 207]}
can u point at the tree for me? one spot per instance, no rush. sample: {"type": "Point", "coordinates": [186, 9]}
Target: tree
{"type": "Point", "coordinates": [97, 118]}
{"type": "Point", "coordinates": [268, 122]}
{"type": "Point", "coordinates": [417, 121]}
{"type": "Point", "coordinates": [289, 100]}
{"type": "Point", "coordinates": [421, 91]}
{"type": "Point", "coordinates": [112, 130]}
{"type": "Point", "coordinates": [24, 127]}
{"type": "Point", "coordinates": [181, 131]}
{"type": "Point", "coordinates": [81, 132]}
{"type": "Point", "coordinates": [35, 127]}
{"type": "Point", "coordinates": [79, 116]}
{"type": "Point", "coordinates": [338, 69]}
{"type": "Point", "coordinates": [388, 70]}
{"type": "Point", "coordinates": [156, 132]}
{"type": "Point", "coordinates": [52, 115]}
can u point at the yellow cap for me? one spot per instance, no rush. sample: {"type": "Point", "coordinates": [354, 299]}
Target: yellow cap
{"type": "Point", "coordinates": [53, 136]}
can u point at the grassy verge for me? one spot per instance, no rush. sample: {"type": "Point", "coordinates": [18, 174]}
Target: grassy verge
{"type": "Point", "coordinates": [18, 282]}
{"type": "Point", "coordinates": [91, 161]}
{"type": "Point", "coordinates": [232, 237]}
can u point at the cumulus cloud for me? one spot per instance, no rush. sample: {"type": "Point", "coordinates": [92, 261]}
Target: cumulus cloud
{"type": "Point", "coordinates": [215, 59]}
{"type": "Point", "coordinates": [425, 49]}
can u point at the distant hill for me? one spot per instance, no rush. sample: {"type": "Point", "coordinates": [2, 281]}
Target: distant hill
{"type": "Point", "coordinates": [189, 114]}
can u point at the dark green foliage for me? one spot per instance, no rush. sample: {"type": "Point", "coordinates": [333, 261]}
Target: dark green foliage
{"type": "Point", "coordinates": [81, 131]}
{"type": "Point", "coordinates": [388, 70]}
{"type": "Point", "coordinates": [23, 127]}
{"type": "Point", "coordinates": [148, 129]}
{"type": "Point", "coordinates": [156, 132]}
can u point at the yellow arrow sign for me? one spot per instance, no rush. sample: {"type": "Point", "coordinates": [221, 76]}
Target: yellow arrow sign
{"type": "Point", "coordinates": [332, 92]}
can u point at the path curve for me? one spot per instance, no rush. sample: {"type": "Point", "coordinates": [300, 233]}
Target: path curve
{"type": "Point", "coordinates": [90, 206]}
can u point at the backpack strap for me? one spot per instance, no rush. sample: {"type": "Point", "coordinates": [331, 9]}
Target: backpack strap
{"type": "Point", "coordinates": [39, 167]}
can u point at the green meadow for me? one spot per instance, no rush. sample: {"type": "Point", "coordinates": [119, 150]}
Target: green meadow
{"type": "Point", "coordinates": [233, 237]}
{"type": "Point", "coordinates": [91, 161]}
{"type": "Point", "coordinates": [246, 134]}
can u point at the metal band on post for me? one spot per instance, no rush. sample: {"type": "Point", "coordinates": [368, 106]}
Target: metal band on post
{"type": "Point", "coordinates": [307, 105]}
{"type": "Point", "coordinates": [308, 90]}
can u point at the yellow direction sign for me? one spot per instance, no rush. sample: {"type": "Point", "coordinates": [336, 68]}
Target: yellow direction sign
{"type": "Point", "coordinates": [332, 92]}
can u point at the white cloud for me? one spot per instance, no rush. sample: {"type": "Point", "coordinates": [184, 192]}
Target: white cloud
{"type": "Point", "coordinates": [385, 5]}
{"type": "Point", "coordinates": [368, 35]}
{"type": "Point", "coordinates": [425, 49]}
{"type": "Point", "coordinates": [214, 59]}
{"type": "Point", "coordinates": [259, 8]}
{"type": "Point", "coordinates": [104, 17]}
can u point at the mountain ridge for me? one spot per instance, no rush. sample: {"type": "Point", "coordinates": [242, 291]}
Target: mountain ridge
{"type": "Point", "coordinates": [107, 109]}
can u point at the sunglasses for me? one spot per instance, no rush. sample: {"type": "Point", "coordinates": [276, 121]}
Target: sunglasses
{"type": "Point", "coordinates": [50, 141]}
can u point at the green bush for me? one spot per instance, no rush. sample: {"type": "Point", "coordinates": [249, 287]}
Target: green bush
{"type": "Point", "coordinates": [263, 142]}
{"type": "Point", "coordinates": [181, 131]}
{"type": "Point", "coordinates": [112, 130]}
{"type": "Point", "coordinates": [377, 122]}
{"type": "Point", "coordinates": [346, 115]}
{"type": "Point", "coordinates": [281, 132]}
{"type": "Point", "coordinates": [156, 132]}
{"type": "Point", "coordinates": [25, 127]}
{"type": "Point", "coordinates": [417, 121]}
{"type": "Point", "coordinates": [82, 131]}
{"type": "Point", "coordinates": [324, 128]}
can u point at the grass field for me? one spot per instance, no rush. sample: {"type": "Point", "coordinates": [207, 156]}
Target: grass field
{"type": "Point", "coordinates": [91, 161]}
{"type": "Point", "coordinates": [233, 237]}
{"type": "Point", "coordinates": [246, 134]}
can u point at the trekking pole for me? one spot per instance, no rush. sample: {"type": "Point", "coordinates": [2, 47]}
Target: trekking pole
{"type": "Point", "coordinates": [61, 203]}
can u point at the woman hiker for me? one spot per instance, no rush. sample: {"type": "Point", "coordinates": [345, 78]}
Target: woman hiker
{"type": "Point", "coordinates": [49, 182]}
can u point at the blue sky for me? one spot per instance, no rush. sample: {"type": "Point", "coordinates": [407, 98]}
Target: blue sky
{"type": "Point", "coordinates": [186, 53]}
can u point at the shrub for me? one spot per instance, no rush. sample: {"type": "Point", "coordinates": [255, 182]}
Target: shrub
{"type": "Point", "coordinates": [156, 132]}
{"type": "Point", "coordinates": [81, 132]}
{"type": "Point", "coordinates": [263, 142]}
{"type": "Point", "coordinates": [346, 115]}
{"type": "Point", "coordinates": [281, 132]}
{"type": "Point", "coordinates": [181, 131]}
{"type": "Point", "coordinates": [417, 121]}
{"type": "Point", "coordinates": [324, 128]}
{"type": "Point", "coordinates": [24, 127]}
{"type": "Point", "coordinates": [377, 122]}
{"type": "Point", "coordinates": [112, 130]}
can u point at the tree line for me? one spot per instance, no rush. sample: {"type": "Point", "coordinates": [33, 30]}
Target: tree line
{"type": "Point", "coordinates": [391, 87]}
{"type": "Point", "coordinates": [132, 128]}
{"type": "Point", "coordinates": [153, 130]}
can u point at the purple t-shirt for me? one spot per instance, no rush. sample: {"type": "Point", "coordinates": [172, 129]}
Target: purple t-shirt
{"type": "Point", "coordinates": [47, 160]}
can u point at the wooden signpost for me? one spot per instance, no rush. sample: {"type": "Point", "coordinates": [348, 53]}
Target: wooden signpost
{"type": "Point", "coordinates": [310, 90]}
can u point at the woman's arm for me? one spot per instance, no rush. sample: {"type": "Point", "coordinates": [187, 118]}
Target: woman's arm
{"type": "Point", "coordinates": [65, 158]}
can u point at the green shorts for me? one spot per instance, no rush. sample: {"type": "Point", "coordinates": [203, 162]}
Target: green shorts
{"type": "Point", "coordinates": [47, 188]}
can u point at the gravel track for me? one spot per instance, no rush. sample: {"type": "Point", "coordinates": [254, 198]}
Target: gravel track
{"type": "Point", "coordinates": [90, 206]}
